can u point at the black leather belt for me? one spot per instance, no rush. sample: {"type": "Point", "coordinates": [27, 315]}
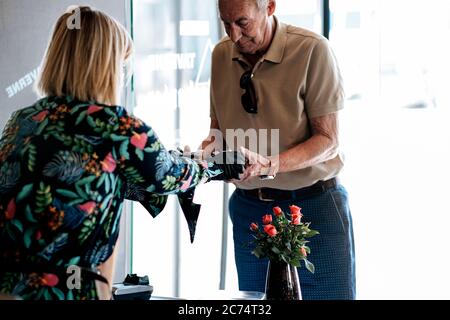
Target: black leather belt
{"type": "Point", "coordinates": [269, 194]}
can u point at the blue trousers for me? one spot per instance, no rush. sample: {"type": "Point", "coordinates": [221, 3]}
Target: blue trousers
{"type": "Point", "coordinates": [332, 251]}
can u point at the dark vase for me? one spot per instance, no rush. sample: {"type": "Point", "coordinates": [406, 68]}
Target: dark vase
{"type": "Point", "coordinates": [282, 282]}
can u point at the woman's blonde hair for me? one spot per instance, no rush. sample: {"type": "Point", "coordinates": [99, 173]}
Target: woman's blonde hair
{"type": "Point", "coordinates": [85, 60]}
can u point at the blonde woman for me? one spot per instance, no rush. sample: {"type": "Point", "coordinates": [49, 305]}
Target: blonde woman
{"type": "Point", "coordinates": [68, 161]}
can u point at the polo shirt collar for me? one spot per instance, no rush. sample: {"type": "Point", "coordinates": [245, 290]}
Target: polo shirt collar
{"type": "Point", "coordinates": [276, 49]}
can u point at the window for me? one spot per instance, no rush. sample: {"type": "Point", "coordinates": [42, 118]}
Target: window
{"type": "Point", "coordinates": [306, 13]}
{"type": "Point", "coordinates": [394, 60]}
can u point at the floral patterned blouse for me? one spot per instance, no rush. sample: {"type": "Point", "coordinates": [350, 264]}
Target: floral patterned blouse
{"type": "Point", "coordinates": [65, 168]}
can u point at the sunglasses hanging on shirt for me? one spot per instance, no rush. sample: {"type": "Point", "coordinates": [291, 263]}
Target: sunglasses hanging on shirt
{"type": "Point", "coordinates": [248, 99]}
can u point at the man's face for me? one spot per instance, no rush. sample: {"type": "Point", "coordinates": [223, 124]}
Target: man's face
{"type": "Point", "coordinates": [245, 24]}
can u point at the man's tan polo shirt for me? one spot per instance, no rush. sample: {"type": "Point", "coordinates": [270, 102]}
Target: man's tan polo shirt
{"type": "Point", "coordinates": [297, 79]}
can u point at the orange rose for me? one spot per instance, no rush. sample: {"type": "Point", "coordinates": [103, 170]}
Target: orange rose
{"type": "Point", "coordinates": [294, 209]}
{"type": "Point", "coordinates": [253, 227]}
{"type": "Point", "coordinates": [303, 251]}
{"type": "Point", "coordinates": [296, 218]}
{"type": "Point", "coordinates": [277, 211]}
{"type": "Point", "coordinates": [267, 219]}
{"type": "Point", "coordinates": [270, 230]}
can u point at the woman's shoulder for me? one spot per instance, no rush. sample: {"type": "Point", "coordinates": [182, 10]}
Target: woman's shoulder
{"type": "Point", "coordinates": [56, 108]}
{"type": "Point", "coordinates": [68, 104]}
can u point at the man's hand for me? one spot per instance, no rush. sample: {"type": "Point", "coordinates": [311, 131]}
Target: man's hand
{"type": "Point", "coordinates": [258, 165]}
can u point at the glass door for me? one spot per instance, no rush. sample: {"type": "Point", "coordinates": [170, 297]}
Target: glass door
{"type": "Point", "coordinates": [173, 41]}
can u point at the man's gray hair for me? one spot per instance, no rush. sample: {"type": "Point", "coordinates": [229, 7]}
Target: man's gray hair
{"type": "Point", "coordinates": [262, 3]}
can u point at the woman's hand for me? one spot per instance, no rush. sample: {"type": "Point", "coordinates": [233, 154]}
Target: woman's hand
{"type": "Point", "coordinates": [231, 163]}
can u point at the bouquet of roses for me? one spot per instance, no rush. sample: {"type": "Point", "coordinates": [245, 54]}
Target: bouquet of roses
{"type": "Point", "coordinates": [283, 238]}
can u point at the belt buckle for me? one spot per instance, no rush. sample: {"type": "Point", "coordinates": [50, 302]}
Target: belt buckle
{"type": "Point", "coordinates": [261, 198]}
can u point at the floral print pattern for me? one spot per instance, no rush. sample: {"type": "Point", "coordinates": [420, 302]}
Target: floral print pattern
{"type": "Point", "coordinates": [65, 168]}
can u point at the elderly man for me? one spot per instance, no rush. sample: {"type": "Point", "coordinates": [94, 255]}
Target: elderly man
{"type": "Point", "coordinates": [269, 75]}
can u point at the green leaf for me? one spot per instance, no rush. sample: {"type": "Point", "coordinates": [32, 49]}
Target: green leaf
{"type": "Point", "coordinates": [47, 294]}
{"type": "Point", "coordinates": [81, 116]}
{"type": "Point", "coordinates": [124, 150]}
{"type": "Point", "coordinates": [58, 293]}
{"type": "Point", "coordinates": [42, 126]}
{"type": "Point", "coordinates": [115, 137]}
{"type": "Point", "coordinates": [311, 233]}
{"type": "Point", "coordinates": [58, 137]}
{"type": "Point", "coordinates": [140, 154]}
{"type": "Point", "coordinates": [87, 187]}
{"type": "Point", "coordinates": [81, 192]}
{"type": "Point", "coordinates": [309, 266]}
{"type": "Point", "coordinates": [10, 233]}
{"type": "Point", "coordinates": [75, 109]}
{"type": "Point", "coordinates": [284, 258]}
{"type": "Point", "coordinates": [101, 180]}
{"type": "Point", "coordinates": [74, 261]}
{"type": "Point", "coordinates": [275, 250]}
{"type": "Point", "coordinates": [117, 187]}
{"type": "Point", "coordinates": [86, 180]}
{"type": "Point", "coordinates": [295, 263]}
{"type": "Point", "coordinates": [258, 251]}
{"type": "Point", "coordinates": [25, 192]}
{"type": "Point", "coordinates": [39, 294]}
{"type": "Point", "coordinates": [42, 203]}
{"type": "Point", "coordinates": [105, 203]}
{"type": "Point", "coordinates": [81, 105]}
{"type": "Point", "coordinates": [27, 237]}
{"type": "Point", "coordinates": [67, 193]}
{"type": "Point", "coordinates": [158, 199]}
{"type": "Point", "coordinates": [76, 201]}
{"type": "Point", "coordinates": [69, 295]}
{"type": "Point", "coordinates": [41, 187]}
{"type": "Point", "coordinates": [17, 224]}
{"type": "Point", "coordinates": [113, 230]}
{"type": "Point", "coordinates": [31, 157]}
{"type": "Point", "coordinates": [91, 122]}
{"type": "Point", "coordinates": [110, 112]}
{"type": "Point", "coordinates": [107, 184]}
{"type": "Point", "coordinates": [288, 245]}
